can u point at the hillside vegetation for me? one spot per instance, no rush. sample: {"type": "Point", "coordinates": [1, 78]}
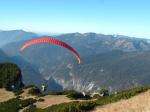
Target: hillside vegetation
{"type": "Point", "coordinates": [25, 102]}
{"type": "Point", "coordinates": [90, 105]}
{"type": "Point", "coordinates": [139, 103]}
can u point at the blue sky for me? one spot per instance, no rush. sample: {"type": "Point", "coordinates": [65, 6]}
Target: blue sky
{"type": "Point", "coordinates": [126, 17]}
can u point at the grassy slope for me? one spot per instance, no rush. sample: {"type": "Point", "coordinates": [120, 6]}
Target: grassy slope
{"type": "Point", "coordinates": [139, 103]}
{"type": "Point", "coordinates": [90, 105]}
{"type": "Point", "coordinates": [15, 104]}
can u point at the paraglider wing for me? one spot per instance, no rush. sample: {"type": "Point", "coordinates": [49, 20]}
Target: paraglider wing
{"type": "Point", "coordinates": [51, 40]}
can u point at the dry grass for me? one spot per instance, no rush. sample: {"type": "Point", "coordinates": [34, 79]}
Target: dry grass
{"type": "Point", "coordinates": [25, 94]}
{"type": "Point", "coordinates": [5, 95]}
{"type": "Point", "coordinates": [139, 103]}
{"type": "Point", "coordinates": [49, 100]}
{"type": "Point", "coordinates": [52, 100]}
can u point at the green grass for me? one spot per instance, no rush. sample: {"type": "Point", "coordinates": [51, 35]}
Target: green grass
{"type": "Point", "coordinates": [66, 107]}
{"type": "Point", "coordinates": [121, 95]}
{"type": "Point", "coordinates": [15, 104]}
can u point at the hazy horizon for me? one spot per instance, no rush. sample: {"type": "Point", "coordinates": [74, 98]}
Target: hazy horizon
{"type": "Point", "coordinates": [55, 34]}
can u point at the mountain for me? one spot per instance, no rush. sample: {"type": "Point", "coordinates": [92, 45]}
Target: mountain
{"type": "Point", "coordinates": [114, 70]}
{"type": "Point", "coordinates": [115, 62]}
{"type": "Point", "coordinates": [98, 43]}
{"type": "Point", "coordinates": [30, 73]}
{"type": "Point", "coordinates": [28, 70]}
{"type": "Point", "coordinates": [15, 35]}
{"type": "Point", "coordinates": [3, 56]}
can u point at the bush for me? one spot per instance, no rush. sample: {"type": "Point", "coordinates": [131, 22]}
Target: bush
{"type": "Point", "coordinates": [55, 93]}
{"type": "Point", "coordinates": [34, 91]}
{"type": "Point", "coordinates": [105, 92]}
{"type": "Point", "coordinates": [18, 92]}
{"type": "Point", "coordinates": [27, 102]}
{"type": "Point", "coordinates": [41, 100]}
{"type": "Point", "coordinates": [77, 95]}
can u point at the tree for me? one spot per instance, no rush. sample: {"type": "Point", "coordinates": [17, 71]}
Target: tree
{"type": "Point", "coordinates": [10, 76]}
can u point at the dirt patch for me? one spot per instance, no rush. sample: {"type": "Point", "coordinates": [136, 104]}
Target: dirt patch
{"type": "Point", "coordinates": [5, 95]}
{"type": "Point", "coordinates": [52, 100]}
{"type": "Point", "coordinates": [139, 103]}
{"type": "Point", "coordinates": [26, 95]}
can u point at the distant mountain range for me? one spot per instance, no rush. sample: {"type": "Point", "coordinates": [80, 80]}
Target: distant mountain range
{"type": "Point", "coordinates": [107, 61]}
{"type": "Point", "coordinates": [15, 35]}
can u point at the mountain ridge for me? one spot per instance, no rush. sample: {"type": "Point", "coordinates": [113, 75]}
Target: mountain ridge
{"type": "Point", "coordinates": [101, 57]}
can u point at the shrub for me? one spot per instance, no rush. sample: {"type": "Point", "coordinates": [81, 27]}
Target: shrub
{"type": "Point", "coordinates": [55, 93]}
{"type": "Point", "coordinates": [105, 92]}
{"type": "Point", "coordinates": [27, 102]}
{"type": "Point", "coordinates": [40, 100]}
{"type": "Point", "coordinates": [78, 95]}
{"type": "Point", "coordinates": [34, 91]}
{"type": "Point", "coordinates": [18, 92]}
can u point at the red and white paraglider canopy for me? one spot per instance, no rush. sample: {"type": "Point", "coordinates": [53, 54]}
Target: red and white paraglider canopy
{"type": "Point", "coordinates": [53, 41]}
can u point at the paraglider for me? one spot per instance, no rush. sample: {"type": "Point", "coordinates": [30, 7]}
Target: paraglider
{"type": "Point", "coordinates": [44, 87]}
{"type": "Point", "coordinates": [53, 41]}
